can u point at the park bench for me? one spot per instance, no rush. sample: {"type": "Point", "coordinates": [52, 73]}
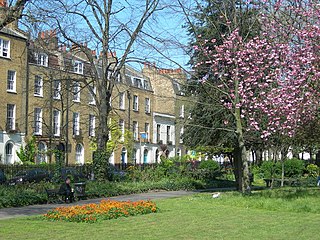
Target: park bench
{"type": "Point", "coordinates": [53, 195]}
{"type": "Point", "coordinates": [80, 190]}
{"type": "Point", "coordinates": [286, 181]}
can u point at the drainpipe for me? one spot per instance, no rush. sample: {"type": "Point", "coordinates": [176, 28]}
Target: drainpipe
{"type": "Point", "coordinates": [27, 88]}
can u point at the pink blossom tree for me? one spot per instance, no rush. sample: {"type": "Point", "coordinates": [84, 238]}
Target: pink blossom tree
{"type": "Point", "coordinates": [268, 83]}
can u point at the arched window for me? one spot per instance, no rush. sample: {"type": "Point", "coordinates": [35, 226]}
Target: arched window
{"type": "Point", "coordinates": [145, 156]}
{"type": "Point", "coordinates": [42, 153]}
{"type": "Point", "coordinates": [9, 155]}
{"type": "Point", "coordinates": [123, 155]}
{"type": "Point", "coordinates": [79, 154]}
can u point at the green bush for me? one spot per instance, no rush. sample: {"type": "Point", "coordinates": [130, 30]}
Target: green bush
{"type": "Point", "coordinates": [312, 170]}
{"type": "Point", "coordinates": [209, 165]}
{"type": "Point", "coordinates": [293, 167]}
{"type": "Point", "coordinates": [270, 169]}
{"type": "Point", "coordinates": [17, 196]}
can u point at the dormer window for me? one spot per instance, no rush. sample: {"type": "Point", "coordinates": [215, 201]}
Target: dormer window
{"type": "Point", "coordinates": [41, 59]}
{"type": "Point", "coordinates": [78, 67]}
{"type": "Point", "coordinates": [137, 82]}
{"type": "Point", "coordinates": [146, 85]}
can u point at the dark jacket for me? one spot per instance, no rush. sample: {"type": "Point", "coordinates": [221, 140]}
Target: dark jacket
{"type": "Point", "coordinates": [65, 189]}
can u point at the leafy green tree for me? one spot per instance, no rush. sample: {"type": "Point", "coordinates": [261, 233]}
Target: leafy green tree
{"type": "Point", "coordinates": [117, 139]}
{"type": "Point", "coordinates": [211, 124]}
{"type": "Point", "coordinates": [28, 153]}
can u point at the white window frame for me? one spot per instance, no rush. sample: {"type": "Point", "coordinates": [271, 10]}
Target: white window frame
{"type": "Point", "coordinates": [78, 67]}
{"type": "Point", "coordinates": [41, 153]}
{"type": "Point", "coordinates": [9, 153]}
{"type": "Point", "coordinates": [137, 82]}
{"type": "Point", "coordinates": [4, 48]}
{"type": "Point", "coordinates": [76, 88]}
{"type": "Point", "coordinates": [79, 154]}
{"type": "Point", "coordinates": [122, 101]}
{"type": "Point", "coordinates": [42, 59]}
{"type": "Point", "coordinates": [92, 125]}
{"type": "Point", "coordinates": [37, 121]}
{"type": "Point", "coordinates": [181, 114]}
{"type": "Point", "coordinates": [76, 124]}
{"type": "Point", "coordinates": [135, 128]}
{"type": "Point", "coordinates": [146, 84]}
{"type": "Point", "coordinates": [135, 103]}
{"type": "Point", "coordinates": [168, 132]}
{"type": "Point", "coordinates": [11, 116]}
{"type": "Point", "coordinates": [147, 105]}
{"type": "Point", "coordinates": [11, 81]}
{"type": "Point", "coordinates": [56, 122]}
{"type": "Point", "coordinates": [56, 89]}
{"type": "Point", "coordinates": [38, 86]}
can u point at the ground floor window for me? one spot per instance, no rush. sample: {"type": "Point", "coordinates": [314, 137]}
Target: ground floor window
{"type": "Point", "coordinates": [42, 153]}
{"type": "Point", "coordinates": [145, 156]}
{"type": "Point", "coordinates": [9, 155]}
{"type": "Point", "coordinates": [79, 154]}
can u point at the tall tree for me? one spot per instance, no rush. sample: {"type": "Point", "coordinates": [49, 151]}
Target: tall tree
{"type": "Point", "coordinates": [12, 11]}
{"type": "Point", "coordinates": [215, 19]}
{"type": "Point", "coordinates": [102, 26]}
{"type": "Point", "coordinates": [264, 81]}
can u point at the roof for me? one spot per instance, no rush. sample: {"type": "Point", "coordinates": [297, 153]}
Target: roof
{"type": "Point", "coordinates": [14, 32]}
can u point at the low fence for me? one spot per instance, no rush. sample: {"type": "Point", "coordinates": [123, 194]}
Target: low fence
{"type": "Point", "coordinates": [86, 169]}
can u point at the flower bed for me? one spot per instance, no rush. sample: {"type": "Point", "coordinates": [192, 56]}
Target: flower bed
{"type": "Point", "coordinates": [106, 209]}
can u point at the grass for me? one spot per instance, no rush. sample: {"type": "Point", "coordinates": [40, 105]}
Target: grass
{"type": "Point", "coordinates": [276, 214]}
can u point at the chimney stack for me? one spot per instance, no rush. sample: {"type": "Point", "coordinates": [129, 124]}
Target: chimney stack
{"type": "Point", "coordinates": [3, 3]}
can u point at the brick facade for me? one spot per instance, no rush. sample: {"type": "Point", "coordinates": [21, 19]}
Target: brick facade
{"type": "Point", "coordinates": [53, 102]}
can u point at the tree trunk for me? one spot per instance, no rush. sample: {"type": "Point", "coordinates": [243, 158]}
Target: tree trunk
{"type": "Point", "coordinates": [282, 172]}
{"type": "Point", "coordinates": [243, 180]}
{"type": "Point", "coordinates": [259, 156]}
{"type": "Point", "coordinates": [237, 166]}
{"type": "Point", "coordinates": [284, 153]}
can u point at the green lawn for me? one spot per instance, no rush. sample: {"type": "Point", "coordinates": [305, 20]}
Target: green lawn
{"type": "Point", "coordinates": [267, 215]}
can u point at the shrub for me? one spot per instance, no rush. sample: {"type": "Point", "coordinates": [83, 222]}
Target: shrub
{"type": "Point", "coordinates": [270, 169]}
{"type": "Point", "coordinates": [293, 167]}
{"type": "Point", "coordinates": [209, 165]}
{"type": "Point", "coordinates": [312, 170]}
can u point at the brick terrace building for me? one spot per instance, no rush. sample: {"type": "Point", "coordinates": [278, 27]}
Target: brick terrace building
{"type": "Point", "coordinates": [46, 95]}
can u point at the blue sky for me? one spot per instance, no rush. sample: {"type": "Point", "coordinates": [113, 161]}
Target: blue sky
{"type": "Point", "coordinates": [165, 26]}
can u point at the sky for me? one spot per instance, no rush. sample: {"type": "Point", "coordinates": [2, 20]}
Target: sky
{"type": "Point", "coordinates": [172, 39]}
{"type": "Point", "coordinates": [163, 39]}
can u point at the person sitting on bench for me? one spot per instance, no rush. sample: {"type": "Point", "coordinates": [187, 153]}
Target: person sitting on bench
{"type": "Point", "coordinates": [66, 190]}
